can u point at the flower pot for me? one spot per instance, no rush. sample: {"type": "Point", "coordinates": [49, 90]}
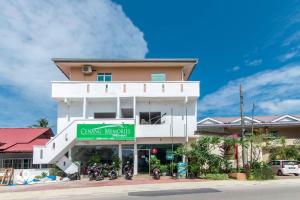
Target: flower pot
{"type": "Point", "coordinates": [238, 176]}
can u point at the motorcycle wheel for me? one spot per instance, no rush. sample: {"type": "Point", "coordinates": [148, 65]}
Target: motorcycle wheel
{"type": "Point", "coordinates": [99, 178]}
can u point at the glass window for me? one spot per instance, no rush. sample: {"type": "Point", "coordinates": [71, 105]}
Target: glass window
{"type": "Point", "coordinates": [150, 117]}
{"type": "Point", "coordinates": [104, 77]}
{"type": "Point", "coordinates": [7, 163]}
{"type": "Point", "coordinates": [158, 77]}
{"type": "Point", "coordinates": [17, 164]}
{"type": "Point", "coordinates": [104, 115]}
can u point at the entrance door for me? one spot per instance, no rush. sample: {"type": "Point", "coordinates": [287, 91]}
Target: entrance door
{"type": "Point", "coordinates": [143, 161]}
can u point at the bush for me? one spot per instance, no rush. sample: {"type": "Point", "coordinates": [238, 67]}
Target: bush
{"type": "Point", "coordinates": [260, 171]}
{"type": "Point", "coordinates": [154, 162]}
{"type": "Point", "coordinates": [44, 174]}
{"type": "Point", "coordinates": [55, 171]}
{"type": "Point", "coordinates": [215, 176]}
{"type": "Point", "coordinates": [117, 162]}
{"type": "Point", "coordinates": [163, 168]}
{"type": "Point", "coordinates": [94, 159]}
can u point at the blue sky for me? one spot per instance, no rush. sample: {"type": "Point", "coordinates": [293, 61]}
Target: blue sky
{"type": "Point", "coordinates": [256, 43]}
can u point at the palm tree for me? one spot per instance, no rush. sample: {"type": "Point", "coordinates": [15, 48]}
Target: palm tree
{"type": "Point", "coordinates": [41, 123]}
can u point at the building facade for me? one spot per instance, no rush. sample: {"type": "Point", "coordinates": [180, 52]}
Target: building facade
{"type": "Point", "coordinates": [16, 146]}
{"type": "Point", "coordinates": [121, 108]}
{"type": "Point", "coordinates": [287, 126]}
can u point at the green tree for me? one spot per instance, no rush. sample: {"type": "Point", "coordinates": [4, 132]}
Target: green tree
{"type": "Point", "coordinates": [41, 123]}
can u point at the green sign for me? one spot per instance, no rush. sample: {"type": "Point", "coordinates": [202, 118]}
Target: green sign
{"type": "Point", "coordinates": [105, 132]}
{"type": "Point", "coordinates": [169, 155]}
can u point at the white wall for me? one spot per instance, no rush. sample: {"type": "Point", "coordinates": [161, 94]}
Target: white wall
{"type": "Point", "coordinates": [74, 111]}
{"type": "Point", "coordinates": [32, 173]}
{"type": "Point", "coordinates": [179, 118]}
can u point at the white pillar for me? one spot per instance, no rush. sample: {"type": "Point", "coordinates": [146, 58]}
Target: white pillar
{"type": "Point", "coordinates": [84, 108]}
{"type": "Point", "coordinates": [135, 159]}
{"type": "Point", "coordinates": [70, 154]}
{"type": "Point", "coordinates": [118, 107]}
{"type": "Point", "coordinates": [120, 157]}
{"type": "Point", "coordinates": [134, 107]}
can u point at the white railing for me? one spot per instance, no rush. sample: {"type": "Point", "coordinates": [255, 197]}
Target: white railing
{"type": "Point", "coordinates": [56, 148]}
{"type": "Point", "coordinates": [78, 89]}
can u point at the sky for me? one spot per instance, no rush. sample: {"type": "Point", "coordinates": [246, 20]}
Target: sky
{"type": "Point", "coordinates": [252, 42]}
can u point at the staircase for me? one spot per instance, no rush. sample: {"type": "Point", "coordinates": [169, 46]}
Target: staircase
{"type": "Point", "coordinates": [54, 152]}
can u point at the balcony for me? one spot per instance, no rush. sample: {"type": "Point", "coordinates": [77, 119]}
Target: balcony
{"type": "Point", "coordinates": [77, 89]}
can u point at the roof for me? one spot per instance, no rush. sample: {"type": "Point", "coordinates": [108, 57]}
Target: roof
{"type": "Point", "coordinates": [23, 139]}
{"type": "Point", "coordinates": [65, 64]}
{"type": "Point", "coordinates": [257, 120]}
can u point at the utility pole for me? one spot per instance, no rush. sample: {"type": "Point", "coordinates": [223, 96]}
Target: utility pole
{"type": "Point", "coordinates": [172, 136]}
{"type": "Point", "coordinates": [252, 130]}
{"type": "Point", "coordinates": [244, 153]}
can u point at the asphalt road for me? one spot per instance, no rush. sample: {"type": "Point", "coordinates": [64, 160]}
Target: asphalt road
{"type": "Point", "coordinates": [269, 192]}
{"type": "Point", "coordinates": [286, 189]}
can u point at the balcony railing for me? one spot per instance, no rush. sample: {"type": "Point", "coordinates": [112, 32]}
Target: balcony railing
{"type": "Point", "coordinates": [76, 89]}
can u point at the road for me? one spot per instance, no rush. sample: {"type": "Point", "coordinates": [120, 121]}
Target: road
{"type": "Point", "coordinates": [214, 190]}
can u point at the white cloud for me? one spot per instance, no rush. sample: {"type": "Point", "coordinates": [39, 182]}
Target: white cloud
{"type": "Point", "coordinates": [266, 88]}
{"type": "Point", "coordinates": [255, 62]}
{"type": "Point", "coordinates": [32, 32]}
{"type": "Point", "coordinates": [294, 38]}
{"type": "Point", "coordinates": [289, 55]}
{"type": "Point", "coordinates": [281, 106]}
{"type": "Point", "coordinates": [234, 69]}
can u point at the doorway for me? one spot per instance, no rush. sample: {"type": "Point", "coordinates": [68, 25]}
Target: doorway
{"type": "Point", "coordinates": [143, 161]}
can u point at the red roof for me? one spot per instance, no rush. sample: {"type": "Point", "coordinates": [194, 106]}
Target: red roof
{"type": "Point", "coordinates": [23, 139]}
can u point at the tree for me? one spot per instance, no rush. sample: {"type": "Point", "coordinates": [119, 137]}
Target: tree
{"type": "Point", "coordinates": [41, 123]}
{"type": "Point", "coordinates": [200, 155]}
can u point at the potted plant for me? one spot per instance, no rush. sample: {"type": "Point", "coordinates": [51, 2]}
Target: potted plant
{"type": "Point", "coordinates": [164, 169]}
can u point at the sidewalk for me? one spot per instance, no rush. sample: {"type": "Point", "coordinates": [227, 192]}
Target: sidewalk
{"type": "Point", "coordinates": [117, 189]}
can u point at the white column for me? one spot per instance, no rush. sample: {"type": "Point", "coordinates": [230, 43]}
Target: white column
{"type": "Point", "coordinates": [70, 154]}
{"type": "Point", "coordinates": [84, 108]}
{"type": "Point", "coordinates": [118, 107]}
{"type": "Point", "coordinates": [120, 157]}
{"type": "Point", "coordinates": [135, 159]}
{"type": "Point", "coordinates": [134, 107]}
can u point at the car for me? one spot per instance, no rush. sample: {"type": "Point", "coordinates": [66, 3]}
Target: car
{"type": "Point", "coordinates": [285, 167]}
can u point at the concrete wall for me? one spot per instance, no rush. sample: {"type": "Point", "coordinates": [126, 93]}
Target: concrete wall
{"type": "Point", "coordinates": [128, 73]}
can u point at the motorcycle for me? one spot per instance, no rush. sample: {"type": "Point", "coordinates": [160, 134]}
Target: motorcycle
{"type": "Point", "coordinates": [128, 171]}
{"type": "Point", "coordinates": [156, 173]}
{"type": "Point", "coordinates": [95, 172]}
{"type": "Point", "coordinates": [112, 173]}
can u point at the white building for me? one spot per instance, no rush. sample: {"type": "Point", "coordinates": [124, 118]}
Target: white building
{"type": "Point", "coordinates": [121, 108]}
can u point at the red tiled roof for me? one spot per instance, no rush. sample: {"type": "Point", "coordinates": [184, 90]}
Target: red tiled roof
{"type": "Point", "coordinates": [23, 139]}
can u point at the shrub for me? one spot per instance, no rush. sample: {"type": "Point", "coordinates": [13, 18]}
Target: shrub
{"type": "Point", "coordinates": [117, 162]}
{"type": "Point", "coordinates": [260, 171]}
{"type": "Point", "coordinates": [215, 176]}
{"type": "Point", "coordinates": [154, 162]}
{"type": "Point", "coordinates": [163, 168]}
{"type": "Point", "coordinates": [44, 174]}
{"type": "Point", "coordinates": [94, 159]}
{"type": "Point", "coordinates": [55, 171]}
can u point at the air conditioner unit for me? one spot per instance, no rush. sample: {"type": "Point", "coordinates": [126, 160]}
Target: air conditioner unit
{"type": "Point", "coordinates": [87, 69]}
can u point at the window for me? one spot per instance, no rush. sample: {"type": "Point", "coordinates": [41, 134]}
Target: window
{"type": "Point", "coordinates": [41, 154]}
{"type": "Point", "coordinates": [104, 77]}
{"type": "Point", "coordinates": [104, 115]}
{"type": "Point", "coordinates": [127, 112]}
{"type": "Point", "coordinates": [150, 117]}
{"type": "Point", "coordinates": [158, 77]}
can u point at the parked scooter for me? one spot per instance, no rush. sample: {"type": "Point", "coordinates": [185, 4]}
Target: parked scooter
{"type": "Point", "coordinates": [156, 173]}
{"type": "Point", "coordinates": [128, 171]}
{"type": "Point", "coordinates": [95, 172]}
{"type": "Point", "coordinates": [112, 172]}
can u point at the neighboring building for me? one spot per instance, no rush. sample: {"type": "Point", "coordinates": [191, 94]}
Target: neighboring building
{"type": "Point", "coordinates": [287, 126]}
{"type": "Point", "coordinates": [16, 146]}
{"type": "Point", "coordinates": [121, 108]}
